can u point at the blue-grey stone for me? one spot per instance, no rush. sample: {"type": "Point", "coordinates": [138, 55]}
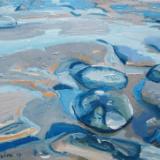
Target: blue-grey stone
{"type": "Point", "coordinates": [113, 147]}
{"type": "Point", "coordinates": [54, 5]}
{"type": "Point", "coordinates": [132, 57]}
{"type": "Point", "coordinates": [7, 22]}
{"type": "Point", "coordinates": [114, 120]}
{"type": "Point", "coordinates": [91, 77]}
{"type": "Point", "coordinates": [151, 93]}
{"type": "Point", "coordinates": [123, 8]}
{"type": "Point", "coordinates": [153, 42]}
{"type": "Point", "coordinates": [154, 74]}
{"type": "Point", "coordinates": [103, 111]}
{"type": "Point", "coordinates": [101, 77]}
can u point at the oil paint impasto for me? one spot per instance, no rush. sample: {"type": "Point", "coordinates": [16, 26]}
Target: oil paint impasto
{"type": "Point", "coordinates": [80, 79]}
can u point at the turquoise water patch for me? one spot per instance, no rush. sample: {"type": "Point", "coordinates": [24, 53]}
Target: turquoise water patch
{"type": "Point", "coordinates": [155, 5]}
{"type": "Point", "coordinates": [52, 5]}
{"type": "Point", "coordinates": [122, 8]}
{"type": "Point", "coordinates": [153, 15]}
{"type": "Point", "coordinates": [80, 4]}
{"type": "Point", "coordinates": [50, 38]}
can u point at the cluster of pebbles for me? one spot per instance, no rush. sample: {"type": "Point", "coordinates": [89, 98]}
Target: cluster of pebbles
{"type": "Point", "coordinates": [101, 105]}
{"type": "Point", "coordinates": [98, 102]}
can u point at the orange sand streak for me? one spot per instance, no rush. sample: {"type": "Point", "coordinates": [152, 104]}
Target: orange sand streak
{"type": "Point", "coordinates": [18, 111]}
{"type": "Point", "coordinates": [49, 94]}
{"type": "Point", "coordinates": [52, 68]}
{"type": "Point", "coordinates": [29, 83]}
{"type": "Point", "coordinates": [19, 135]}
{"type": "Point", "coordinates": [85, 58]}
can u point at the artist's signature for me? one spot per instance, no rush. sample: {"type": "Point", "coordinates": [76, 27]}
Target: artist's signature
{"type": "Point", "coordinates": [10, 155]}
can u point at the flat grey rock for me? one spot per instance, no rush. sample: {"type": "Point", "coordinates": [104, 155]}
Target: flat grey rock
{"type": "Point", "coordinates": [7, 22]}
{"type": "Point", "coordinates": [151, 93]}
{"type": "Point", "coordinates": [132, 57]}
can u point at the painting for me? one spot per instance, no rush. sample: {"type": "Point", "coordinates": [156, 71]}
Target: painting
{"type": "Point", "coordinates": [80, 79]}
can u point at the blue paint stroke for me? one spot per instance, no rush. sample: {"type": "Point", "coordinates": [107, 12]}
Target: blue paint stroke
{"type": "Point", "coordinates": [152, 109]}
{"type": "Point", "coordinates": [154, 74]}
{"type": "Point", "coordinates": [16, 143]}
{"type": "Point", "coordinates": [59, 128]}
{"type": "Point", "coordinates": [139, 124]}
{"type": "Point", "coordinates": [67, 96]}
{"type": "Point", "coordinates": [153, 42]}
{"type": "Point", "coordinates": [127, 54]}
